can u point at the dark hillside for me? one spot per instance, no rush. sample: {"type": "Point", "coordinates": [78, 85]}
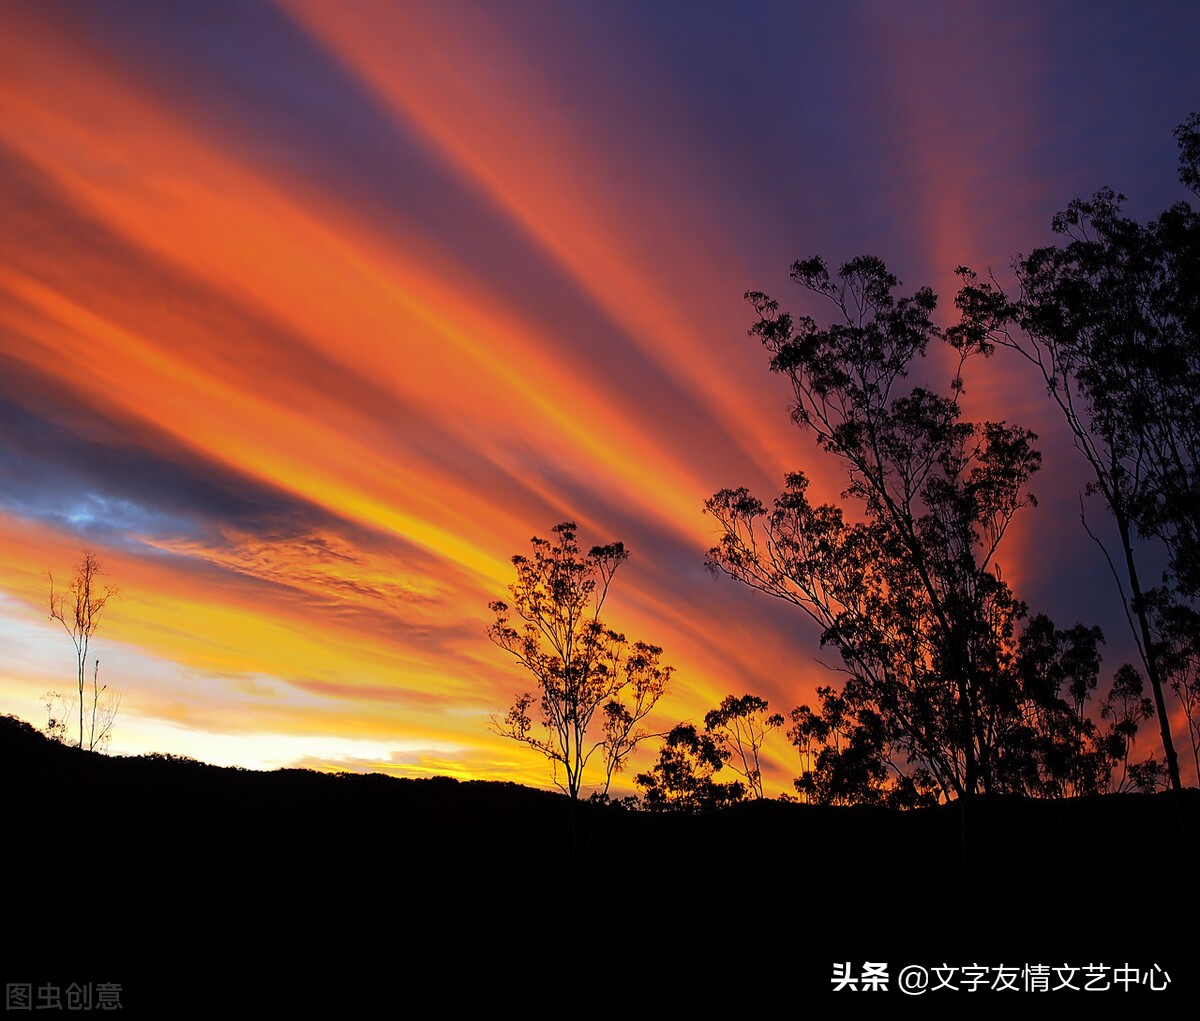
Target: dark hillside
{"type": "Point", "coordinates": [184, 881]}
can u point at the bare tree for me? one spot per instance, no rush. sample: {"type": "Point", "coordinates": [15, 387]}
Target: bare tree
{"type": "Point", "coordinates": [78, 610]}
{"type": "Point", "coordinates": [105, 705]}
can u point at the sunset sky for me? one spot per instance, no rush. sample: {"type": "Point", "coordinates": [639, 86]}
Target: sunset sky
{"type": "Point", "coordinates": [312, 314]}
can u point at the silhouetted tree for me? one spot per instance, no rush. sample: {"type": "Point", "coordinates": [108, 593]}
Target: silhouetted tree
{"type": "Point", "coordinates": [595, 688]}
{"type": "Point", "coordinates": [100, 716]}
{"type": "Point", "coordinates": [742, 725]}
{"type": "Point", "coordinates": [1111, 319]}
{"type": "Point", "coordinates": [847, 756]}
{"type": "Point", "coordinates": [682, 779]}
{"type": "Point", "coordinates": [58, 714]}
{"type": "Point", "coordinates": [1177, 649]}
{"type": "Point", "coordinates": [78, 610]}
{"type": "Point", "coordinates": [1126, 706]}
{"type": "Point", "coordinates": [910, 595]}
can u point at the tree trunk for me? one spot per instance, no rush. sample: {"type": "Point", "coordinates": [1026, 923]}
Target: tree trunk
{"type": "Point", "coordinates": [1149, 657]}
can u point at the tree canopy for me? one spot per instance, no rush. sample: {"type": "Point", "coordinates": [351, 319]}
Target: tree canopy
{"type": "Point", "coordinates": [682, 779]}
{"type": "Point", "coordinates": [910, 593]}
{"type": "Point", "coordinates": [741, 725]}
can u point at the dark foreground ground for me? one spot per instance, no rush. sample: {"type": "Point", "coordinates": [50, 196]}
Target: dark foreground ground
{"type": "Point", "coordinates": [202, 891]}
